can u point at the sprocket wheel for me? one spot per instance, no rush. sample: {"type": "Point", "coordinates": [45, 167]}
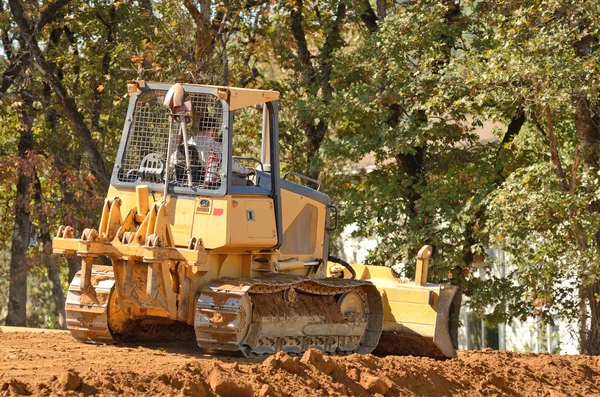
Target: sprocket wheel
{"type": "Point", "coordinates": [119, 322]}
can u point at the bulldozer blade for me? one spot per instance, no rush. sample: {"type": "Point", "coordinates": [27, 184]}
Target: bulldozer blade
{"type": "Point", "coordinates": [409, 342]}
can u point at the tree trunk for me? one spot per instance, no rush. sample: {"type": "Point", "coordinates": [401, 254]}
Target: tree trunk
{"type": "Point", "coordinates": [108, 44]}
{"type": "Point", "coordinates": [224, 57]}
{"type": "Point", "coordinates": [17, 295]}
{"type": "Point", "coordinates": [203, 37]}
{"type": "Point", "coordinates": [454, 317]}
{"type": "Point", "coordinates": [52, 267]}
{"type": "Point", "coordinates": [381, 9]}
{"type": "Point", "coordinates": [316, 79]}
{"type": "Point", "coordinates": [53, 272]}
{"type": "Point", "coordinates": [68, 202]}
{"type": "Point", "coordinates": [316, 135]}
{"type": "Point", "coordinates": [28, 40]}
{"type": "Point", "coordinates": [412, 166]}
{"type": "Point", "coordinates": [74, 264]}
{"type": "Point", "coordinates": [588, 131]}
{"type": "Point", "coordinates": [590, 343]}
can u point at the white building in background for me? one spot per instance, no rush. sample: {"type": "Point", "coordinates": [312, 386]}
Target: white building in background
{"type": "Point", "coordinates": [523, 336]}
{"type": "Point", "coordinates": [474, 334]}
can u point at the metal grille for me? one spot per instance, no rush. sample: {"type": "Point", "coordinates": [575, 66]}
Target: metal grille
{"type": "Point", "coordinates": [148, 135]}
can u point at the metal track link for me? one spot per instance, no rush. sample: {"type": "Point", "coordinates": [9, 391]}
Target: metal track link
{"type": "Point", "coordinates": [374, 321]}
{"type": "Point", "coordinates": [256, 316]}
{"type": "Point", "coordinates": [86, 319]}
{"type": "Point", "coordinates": [216, 321]}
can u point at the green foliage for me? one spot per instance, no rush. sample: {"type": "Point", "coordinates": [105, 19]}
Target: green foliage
{"type": "Point", "coordinates": [446, 74]}
{"type": "Point", "coordinates": [41, 308]}
{"type": "Point", "coordinates": [531, 55]}
{"type": "Point", "coordinates": [400, 112]}
{"type": "Point", "coordinates": [531, 218]}
{"type": "Point", "coordinates": [408, 95]}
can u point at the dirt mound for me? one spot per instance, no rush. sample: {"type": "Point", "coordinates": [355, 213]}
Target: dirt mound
{"type": "Point", "coordinates": [50, 364]}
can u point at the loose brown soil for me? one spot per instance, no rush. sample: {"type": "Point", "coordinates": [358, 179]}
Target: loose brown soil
{"type": "Point", "coordinates": [53, 364]}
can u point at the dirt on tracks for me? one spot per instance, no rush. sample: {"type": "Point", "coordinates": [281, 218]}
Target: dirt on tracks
{"type": "Point", "coordinates": [53, 364]}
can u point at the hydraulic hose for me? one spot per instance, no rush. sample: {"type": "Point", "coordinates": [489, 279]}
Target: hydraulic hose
{"type": "Point", "coordinates": [343, 263]}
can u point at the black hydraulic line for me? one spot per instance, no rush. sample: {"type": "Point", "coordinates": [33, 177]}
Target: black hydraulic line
{"type": "Point", "coordinates": [343, 263]}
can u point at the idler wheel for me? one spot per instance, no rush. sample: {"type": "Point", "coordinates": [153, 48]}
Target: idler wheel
{"type": "Point", "coordinates": [353, 307]}
{"type": "Point", "coordinates": [119, 322]}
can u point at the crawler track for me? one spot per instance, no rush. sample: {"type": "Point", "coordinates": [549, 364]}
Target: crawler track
{"type": "Point", "coordinates": [288, 313]}
{"type": "Point", "coordinates": [88, 320]}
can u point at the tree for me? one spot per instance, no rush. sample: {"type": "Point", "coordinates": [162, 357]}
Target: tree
{"type": "Point", "coordinates": [17, 298]}
{"type": "Point", "coordinates": [406, 83]}
{"type": "Point", "coordinates": [401, 113]}
{"type": "Point", "coordinates": [531, 65]}
{"type": "Point", "coordinates": [305, 45]}
{"type": "Point", "coordinates": [29, 44]}
{"type": "Point", "coordinates": [65, 78]}
{"type": "Point", "coordinates": [542, 56]}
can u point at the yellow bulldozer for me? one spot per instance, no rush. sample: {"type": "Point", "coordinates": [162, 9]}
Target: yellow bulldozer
{"type": "Point", "coordinates": [237, 256]}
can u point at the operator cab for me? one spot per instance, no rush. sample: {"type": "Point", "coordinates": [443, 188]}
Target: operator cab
{"type": "Point", "coordinates": [189, 144]}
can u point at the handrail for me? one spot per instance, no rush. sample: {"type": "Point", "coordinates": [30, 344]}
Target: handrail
{"type": "Point", "coordinates": [262, 167]}
{"type": "Point", "coordinates": [333, 207]}
{"type": "Point", "coordinates": [307, 178]}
